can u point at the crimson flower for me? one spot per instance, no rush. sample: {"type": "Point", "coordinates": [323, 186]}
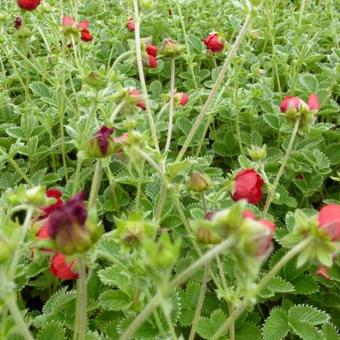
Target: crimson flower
{"type": "Point", "coordinates": [323, 271]}
{"type": "Point", "coordinates": [140, 102]}
{"type": "Point", "coordinates": [213, 42]}
{"type": "Point", "coordinates": [329, 220]}
{"type": "Point", "coordinates": [17, 23]}
{"type": "Point", "coordinates": [83, 27]}
{"type": "Point", "coordinates": [290, 104]}
{"type": "Point", "coordinates": [313, 102]}
{"type": "Point", "coordinates": [152, 50]}
{"type": "Point", "coordinates": [60, 268]}
{"type": "Point", "coordinates": [182, 98]}
{"type": "Point", "coordinates": [28, 5]}
{"type": "Point", "coordinates": [131, 25]}
{"type": "Point", "coordinates": [248, 185]}
{"type": "Point", "coordinates": [103, 137]}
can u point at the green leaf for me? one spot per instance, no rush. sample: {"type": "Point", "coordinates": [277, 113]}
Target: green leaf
{"type": "Point", "coordinates": [307, 314]}
{"type": "Point", "coordinates": [279, 285]}
{"type": "Point", "coordinates": [113, 276]}
{"type": "Point", "coordinates": [189, 298]}
{"type": "Point", "coordinates": [114, 300]}
{"type": "Point", "coordinates": [53, 330]}
{"type": "Point", "coordinates": [208, 326]}
{"type": "Point", "coordinates": [249, 330]}
{"type": "Point", "coordinates": [304, 330]}
{"type": "Point", "coordinates": [39, 89]}
{"type": "Point", "coordinates": [309, 82]}
{"type": "Point", "coordinates": [156, 88]}
{"type": "Point", "coordinates": [329, 332]}
{"type": "Point", "coordinates": [276, 325]}
{"type": "Point", "coordinates": [305, 284]}
{"type": "Point", "coordinates": [273, 120]}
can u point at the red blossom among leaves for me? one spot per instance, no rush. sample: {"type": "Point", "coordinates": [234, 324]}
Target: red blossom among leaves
{"type": "Point", "coordinates": [18, 23]}
{"type": "Point", "coordinates": [131, 25]}
{"type": "Point", "coordinates": [323, 271]}
{"type": "Point", "coordinates": [313, 102]}
{"type": "Point", "coordinates": [140, 102]}
{"type": "Point", "coordinates": [82, 27]}
{"type": "Point", "coordinates": [103, 137]}
{"type": "Point", "coordinates": [213, 42]}
{"type": "Point", "coordinates": [150, 59]}
{"type": "Point", "coordinates": [248, 185]}
{"type": "Point", "coordinates": [61, 268]}
{"type": "Point", "coordinates": [290, 104]}
{"type": "Point", "coordinates": [28, 5]}
{"type": "Point", "coordinates": [329, 220]}
{"type": "Point", "coordinates": [152, 50]}
{"type": "Point", "coordinates": [182, 98]}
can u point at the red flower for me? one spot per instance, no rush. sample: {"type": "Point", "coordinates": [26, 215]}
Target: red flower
{"type": "Point", "coordinates": [103, 136]}
{"type": "Point", "coordinates": [182, 98]}
{"type": "Point", "coordinates": [323, 271]}
{"type": "Point", "coordinates": [86, 35]}
{"type": "Point", "coordinates": [248, 186]}
{"type": "Point", "coordinates": [329, 220]}
{"type": "Point", "coordinates": [313, 102]}
{"type": "Point", "coordinates": [28, 5]}
{"type": "Point", "coordinates": [152, 50]}
{"type": "Point", "coordinates": [53, 193]}
{"type": "Point", "coordinates": [152, 61]}
{"type": "Point", "coordinates": [131, 25]}
{"type": "Point", "coordinates": [17, 23]}
{"type": "Point", "coordinates": [140, 102]}
{"type": "Point", "coordinates": [214, 43]}
{"type": "Point", "coordinates": [291, 104]}
{"type": "Point", "coordinates": [265, 243]}
{"type": "Point", "coordinates": [60, 268]}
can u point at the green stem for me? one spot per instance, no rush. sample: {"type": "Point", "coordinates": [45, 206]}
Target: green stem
{"type": "Point", "coordinates": [156, 315]}
{"type": "Point", "coordinates": [19, 320]}
{"type": "Point", "coordinates": [178, 280]}
{"type": "Point", "coordinates": [118, 60]}
{"type": "Point", "coordinates": [283, 166]}
{"type": "Point", "coordinates": [142, 77]}
{"type": "Point", "coordinates": [19, 170]}
{"type": "Point", "coordinates": [204, 203]}
{"type": "Point", "coordinates": [20, 244]}
{"type": "Point", "coordinates": [77, 175]}
{"type": "Point", "coordinates": [302, 8]}
{"type": "Point", "coordinates": [171, 108]}
{"type": "Point", "coordinates": [81, 311]}
{"type": "Point", "coordinates": [95, 185]}
{"type": "Point", "coordinates": [200, 302]}
{"type": "Point", "coordinates": [262, 284]}
{"type": "Point", "coordinates": [216, 86]}
{"type": "Point", "coordinates": [116, 111]}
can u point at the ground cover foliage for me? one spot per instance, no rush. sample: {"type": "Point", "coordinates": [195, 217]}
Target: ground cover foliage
{"type": "Point", "coordinates": [169, 169]}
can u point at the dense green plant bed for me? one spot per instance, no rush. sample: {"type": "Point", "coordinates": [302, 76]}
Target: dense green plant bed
{"type": "Point", "coordinates": [169, 169]}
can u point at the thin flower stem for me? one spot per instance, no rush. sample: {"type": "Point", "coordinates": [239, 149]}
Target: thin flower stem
{"type": "Point", "coordinates": [19, 320]}
{"type": "Point", "coordinates": [95, 185]}
{"type": "Point", "coordinates": [204, 203]}
{"type": "Point", "coordinates": [77, 175]}
{"type": "Point", "coordinates": [302, 8]}
{"type": "Point", "coordinates": [81, 310]}
{"type": "Point", "coordinates": [178, 280]}
{"type": "Point", "coordinates": [170, 323]}
{"type": "Point", "coordinates": [141, 75]}
{"type": "Point", "coordinates": [19, 170]}
{"type": "Point", "coordinates": [116, 111]}
{"type": "Point", "coordinates": [200, 302]}
{"type": "Point", "coordinates": [282, 168]}
{"type": "Point", "coordinates": [20, 243]}
{"type": "Point", "coordinates": [172, 104]}
{"type": "Point", "coordinates": [112, 186]}
{"type": "Point", "coordinates": [216, 86]}
{"type": "Point", "coordinates": [117, 61]}
{"type": "Point", "coordinates": [237, 116]}
{"type": "Point", "coordinates": [156, 315]}
{"type": "Point", "coordinates": [262, 284]}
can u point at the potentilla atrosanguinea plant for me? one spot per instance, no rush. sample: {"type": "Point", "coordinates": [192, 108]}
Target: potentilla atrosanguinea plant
{"type": "Point", "coordinates": [28, 5]}
{"type": "Point", "coordinates": [72, 27]}
{"type": "Point", "coordinates": [248, 185]}
{"type": "Point", "coordinates": [150, 56]}
{"type": "Point", "coordinates": [63, 268]}
{"type": "Point", "coordinates": [181, 98]}
{"type": "Point", "coordinates": [290, 104]}
{"type": "Point", "coordinates": [134, 93]}
{"type": "Point", "coordinates": [101, 144]}
{"type": "Point", "coordinates": [214, 43]}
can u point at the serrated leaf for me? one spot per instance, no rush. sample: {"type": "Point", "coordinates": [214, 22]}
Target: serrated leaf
{"type": "Point", "coordinates": [305, 285]}
{"type": "Point", "coordinates": [329, 332]}
{"type": "Point", "coordinates": [53, 331]}
{"type": "Point", "coordinates": [114, 300]}
{"type": "Point", "coordinates": [307, 314]}
{"type": "Point", "coordinates": [309, 82]}
{"type": "Point", "coordinates": [208, 326]}
{"type": "Point", "coordinates": [304, 330]}
{"type": "Point", "coordinates": [248, 330]}
{"type": "Point", "coordinates": [276, 325]}
{"type": "Point", "coordinates": [279, 285]}
{"type": "Point", "coordinates": [39, 89]}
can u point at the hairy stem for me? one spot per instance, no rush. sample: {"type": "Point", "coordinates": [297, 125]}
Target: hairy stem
{"type": "Point", "coordinates": [142, 77]}
{"type": "Point", "coordinates": [171, 108]}
{"type": "Point", "coordinates": [216, 86]}
{"type": "Point", "coordinates": [95, 185]}
{"type": "Point", "coordinates": [178, 280]}
{"type": "Point", "coordinates": [200, 302]}
{"type": "Point", "coordinates": [262, 284]}
{"type": "Point", "coordinates": [282, 168]}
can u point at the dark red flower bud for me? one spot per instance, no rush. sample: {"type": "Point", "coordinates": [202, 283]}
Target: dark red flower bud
{"type": "Point", "coordinates": [86, 35]}
{"type": "Point", "coordinates": [17, 23]}
{"type": "Point", "coordinates": [152, 50]}
{"type": "Point", "coordinates": [329, 220]}
{"type": "Point", "coordinates": [83, 25]}
{"type": "Point", "coordinates": [140, 102]}
{"type": "Point", "coordinates": [182, 98]}
{"type": "Point", "coordinates": [131, 25]}
{"type": "Point", "coordinates": [152, 61]}
{"type": "Point", "coordinates": [290, 104]}
{"type": "Point", "coordinates": [248, 185]}
{"type": "Point", "coordinates": [214, 43]}
{"type": "Point", "coordinates": [28, 5]}
{"type": "Point", "coordinates": [53, 193]}
{"type": "Point", "coordinates": [104, 136]}
{"type": "Point", "coordinates": [61, 269]}
{"type": "Point", "coordinates": [67, 226]}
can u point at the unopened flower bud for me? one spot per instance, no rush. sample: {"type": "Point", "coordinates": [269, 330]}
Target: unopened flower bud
{"type": "Point", "coordinates": [207, 236]}
{"type": "Point", "coordinates": [171, 48]}
{"type": "Point", "coordinates": [102, 144]}
{"type": "Point", "coordinates": [181, 98]}
{"type": "Point", "coordinates": [198, 182]}
{"type": "Point", "coordinates": [94, 79]}
{"type": "Point", "coordinates": [258, 153]}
